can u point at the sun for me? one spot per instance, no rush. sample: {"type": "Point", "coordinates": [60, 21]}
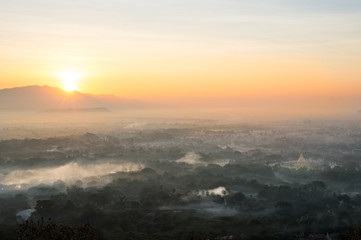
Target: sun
{"type": "Point", "coordinates": [69, 80]}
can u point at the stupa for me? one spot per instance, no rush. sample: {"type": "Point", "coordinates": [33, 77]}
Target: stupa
{"type": "Point", "coordinates": [302, 163]}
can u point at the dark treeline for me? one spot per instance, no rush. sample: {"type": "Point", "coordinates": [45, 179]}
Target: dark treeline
{"type": "Point", "coordinates": [170, 205]}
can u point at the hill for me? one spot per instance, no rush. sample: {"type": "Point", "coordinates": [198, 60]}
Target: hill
{"type": "Point", "coordinates": [78, 110]}
{"type": "Point", "coordinates": [44, 98]}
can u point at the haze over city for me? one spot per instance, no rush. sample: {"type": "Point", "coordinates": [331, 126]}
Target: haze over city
{"type": "Point", "coordinates": [182, 119]}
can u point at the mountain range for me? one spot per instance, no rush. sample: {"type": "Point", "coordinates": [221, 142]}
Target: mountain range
{"type": "Point", "coordinates": [52, 99]}
{"type": "Point", "coordinates": [46, 98]}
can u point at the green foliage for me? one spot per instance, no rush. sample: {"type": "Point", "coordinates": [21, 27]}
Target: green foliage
{"type": "Point", "coordinates": [42, 230]}
{"type": "Point", "coordinates": [151, 205]}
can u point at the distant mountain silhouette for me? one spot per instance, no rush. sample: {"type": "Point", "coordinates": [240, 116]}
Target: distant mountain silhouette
{"type": "Point", "coordinates": [79, 110]}
{"type": "Point", "coordinates": [43, 98]}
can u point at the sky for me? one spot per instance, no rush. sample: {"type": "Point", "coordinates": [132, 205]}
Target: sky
{"type": "Point", "coordinates": [184, 48]}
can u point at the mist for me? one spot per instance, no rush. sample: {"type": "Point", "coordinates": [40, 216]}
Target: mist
{"type": "Point", "coordinates": [209, 165]}
{"type": "Point", "coordinates": [68, 173]}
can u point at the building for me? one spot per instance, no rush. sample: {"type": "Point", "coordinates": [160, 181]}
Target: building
{"type": "Point", "coordinates": [302, 163]}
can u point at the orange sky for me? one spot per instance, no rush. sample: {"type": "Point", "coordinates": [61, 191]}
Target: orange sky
{"type": "Point", "coordinates": [140, 49]}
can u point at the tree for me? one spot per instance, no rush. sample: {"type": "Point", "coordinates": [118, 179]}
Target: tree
{"type": "Point", "coordinates": [42, 230]}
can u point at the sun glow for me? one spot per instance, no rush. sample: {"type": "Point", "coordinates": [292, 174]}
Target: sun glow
{"type": "Point", "coordinates": [69, 80]}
